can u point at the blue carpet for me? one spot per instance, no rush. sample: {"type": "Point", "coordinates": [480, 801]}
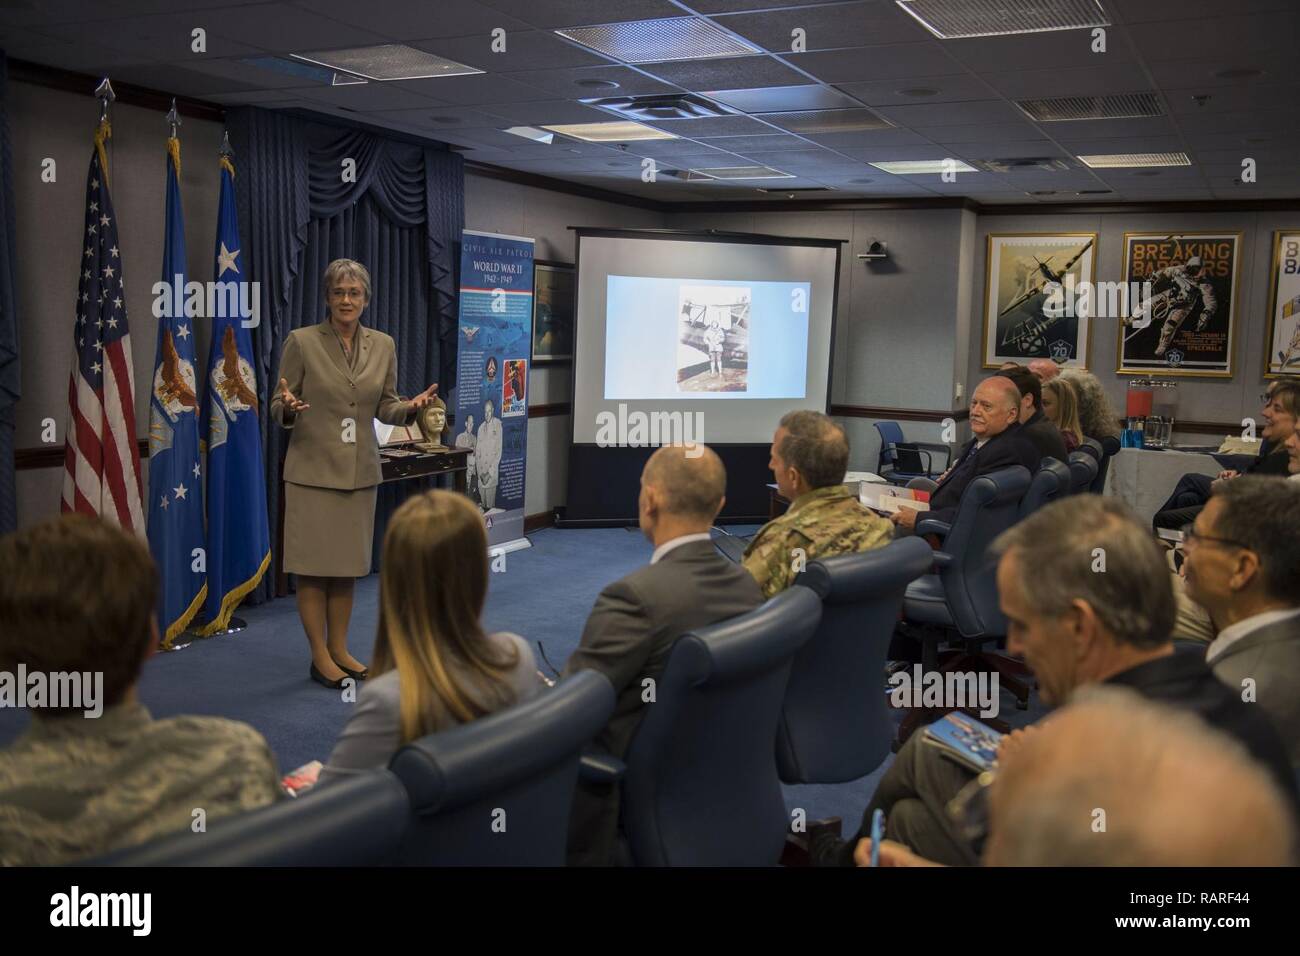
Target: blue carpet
{"type": "Point", "coordinates": [544, 594]}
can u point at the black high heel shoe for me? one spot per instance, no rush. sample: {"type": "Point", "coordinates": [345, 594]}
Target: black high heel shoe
{"type": "Point", "coordinates": [324, 681]}
{"type": "Point", "coordinates": [355, 675]}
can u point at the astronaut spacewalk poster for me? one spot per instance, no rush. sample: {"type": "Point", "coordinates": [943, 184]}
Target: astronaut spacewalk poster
{"type": "Point", "coordinates": [494, 339]}
{"type": "Point", "coordinates": [1188, 325]}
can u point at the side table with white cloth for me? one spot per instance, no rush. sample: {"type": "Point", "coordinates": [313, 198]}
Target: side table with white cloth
{"type": "Point", "coordinates": [1145, 477]}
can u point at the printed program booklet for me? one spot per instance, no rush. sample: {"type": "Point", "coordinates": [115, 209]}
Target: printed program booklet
{"type": "Point", "coordinates": [968, 741]}
{"type": "Point", "coordinates": [888, 499]}
{"type": "Point", "coordinates": [302, 779]}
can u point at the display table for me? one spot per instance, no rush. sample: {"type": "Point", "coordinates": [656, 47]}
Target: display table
{"type": "Point", "coordinates": [1145, 477]}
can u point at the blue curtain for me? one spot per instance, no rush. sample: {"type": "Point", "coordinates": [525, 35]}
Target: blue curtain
{"type": "Point", "coordinates": [402, 217]}
{"type": "Point", "coordinates": [9, 379]}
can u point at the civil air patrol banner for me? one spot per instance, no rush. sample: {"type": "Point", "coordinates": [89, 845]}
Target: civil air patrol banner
{"type": "Point", "coordinates": [492, 369]}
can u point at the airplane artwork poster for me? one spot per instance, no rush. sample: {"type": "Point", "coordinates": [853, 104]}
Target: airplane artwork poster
{"type": "Point", "coordinates": [1021, 272]}
{"type": "Point", "coordinates": [1187, 325]}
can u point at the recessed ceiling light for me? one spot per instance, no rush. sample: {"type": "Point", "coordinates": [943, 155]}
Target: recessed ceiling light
{"type": "Point", "coordinates": [1239, 73]}
{"type": "Point", "coordinates": [950, 19]}
{"type": "Point", "coordinates": [590, 84]}
{"type": "Point", "coordinates": [1122, 160]}
{"type": "Point", "coordinates": [743, 172]}
{"type": "Point", "coordinates": [387, 61]}
{"type": "Point", "coordinates": [610, 132]}
{"type": "Point", "coordinates": [656, 41]}
{"type": "Point", "coordinates": [914, 167]}
{"type": "Point", "coordinates": [531, 132]}
{"type": "Point", "coordinates": [918, 91]}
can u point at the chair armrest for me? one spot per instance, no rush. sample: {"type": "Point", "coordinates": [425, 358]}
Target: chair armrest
{"type": "Point", "coordinates": [601, 768]}
{"type": "Point", "coordinates": [937, 447]}
{"type": "Point", "coordinates": [933, 526]}
{"type": "Point", "coordinates": [942, 559]}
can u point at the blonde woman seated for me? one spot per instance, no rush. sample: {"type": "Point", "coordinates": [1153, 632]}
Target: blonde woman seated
{"type": "Point", "coordinates": [1061, 407]}
{"type": "Point", "coordinates": [433, 665]}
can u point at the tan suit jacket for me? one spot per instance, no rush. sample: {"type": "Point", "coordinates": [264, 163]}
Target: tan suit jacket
{"type": "Point", "coordinates": [313, 365]}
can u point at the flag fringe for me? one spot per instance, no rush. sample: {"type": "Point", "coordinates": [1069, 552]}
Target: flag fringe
{"type": "Point", "coordinates": [232, 599]}
{"type": "Point", "coordinates": [103, 132]}
{"type": "Point", "coordinates": [178, 626]}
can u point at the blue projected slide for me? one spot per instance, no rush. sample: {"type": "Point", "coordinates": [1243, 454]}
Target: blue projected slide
{"type": "Point", "coordinates": [705, 338]}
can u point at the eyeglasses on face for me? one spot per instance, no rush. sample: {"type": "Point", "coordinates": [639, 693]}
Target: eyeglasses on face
{"type": "Point", "coordinates": [1192, 536]}
{"type": "Point", "coordinates": [358, 294]}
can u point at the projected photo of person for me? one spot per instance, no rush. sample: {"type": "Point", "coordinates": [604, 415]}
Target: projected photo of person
{"type": "Point", "coordinates": [713, 339]}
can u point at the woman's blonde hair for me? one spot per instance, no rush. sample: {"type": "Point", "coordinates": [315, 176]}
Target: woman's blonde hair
{"type": "Point", "coordinates": [1096, 416]}
{"type": "Point", "coordinates": [341, 269]}
{"type": "Point", "coordinates": [432, 586]}
{"type": "Point", "coordinates": [1067, 407]}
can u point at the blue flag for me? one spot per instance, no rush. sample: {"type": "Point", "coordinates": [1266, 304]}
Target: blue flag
{"type": "Point", "coordinates": [239, 540]}
{"type": "Point", "coordinates": [175, 477]}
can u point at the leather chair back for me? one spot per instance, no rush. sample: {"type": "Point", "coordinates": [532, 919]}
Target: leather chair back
{"type": "Point", "coordinates": [1051, 481]}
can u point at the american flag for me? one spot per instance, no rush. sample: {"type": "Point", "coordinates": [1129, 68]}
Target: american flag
{"type": "Point", "coordinates": [101, 458]}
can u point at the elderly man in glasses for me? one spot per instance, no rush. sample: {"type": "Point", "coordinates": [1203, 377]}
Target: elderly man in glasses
{"type": "Point", "coordinates": [1088, 600]}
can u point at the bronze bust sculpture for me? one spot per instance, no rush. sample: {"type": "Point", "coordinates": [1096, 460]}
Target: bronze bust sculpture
{"type": "Point", "coordinates": [433, 425]}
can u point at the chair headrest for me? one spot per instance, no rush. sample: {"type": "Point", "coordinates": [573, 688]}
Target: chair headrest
{"type": "Point", "coordinates": [850, 578]}
{"type": "Point", "coordinates": [448, 769]}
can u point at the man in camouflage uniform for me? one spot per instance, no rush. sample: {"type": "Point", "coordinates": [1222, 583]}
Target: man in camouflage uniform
{"type": "Point", "coordinates": [810, 454]}
{"type": "Point", "coordinates": [93, 776]}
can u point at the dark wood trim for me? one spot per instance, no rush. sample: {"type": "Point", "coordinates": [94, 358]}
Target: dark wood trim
{"type": "Point", "coordinates": [521, 178]}
{"type": "Point", "coordinates": [1138, 208]}
{"type": "Point", "coordinates": [543, 519]}
{"type": "Point", "coordinates": [898, 414]}
{"type": "Point", "coordinates": [824, 205]}
{"type": "Point", "coordinates": [552, 408]}
{"type": "Point", "coordinates": [51, 456]}
{"type": "Point", "coordinates": [23, 71]}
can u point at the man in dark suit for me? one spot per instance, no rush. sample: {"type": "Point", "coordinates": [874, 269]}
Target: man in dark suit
{"type": "Point", "coordinates": [994, 420]}
{"type": "Point", "coordinates": [1075, 626]}
{"type": "Point", "coordinates": [636, 620]}
{"type": "Point", "coordinates": [1243, 566]}
{"type": "Point", "coordinates": [1034, 425]}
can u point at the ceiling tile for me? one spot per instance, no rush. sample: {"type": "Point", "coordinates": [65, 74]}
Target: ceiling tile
{"type": "Point", "coordinates": [712, 126]}
{"type": "Point", "coordinates": [553, 14]}
{"type": "Point", "coordinates": [418, 21]}
{"type": "Point", "coordinates": [1184, 39]}
{"type": "Point", "coordinates": [891, 61]}
{"type": "Point", "coordinates": [830, 27]}
{"type": "Point", "coordinates": [1074, 81]}
{"type": "Point", "coordinates": [1167, 11]}
{"type": "Point", "coordinates": [982, 133]}
{"type": "Point", "coordinates": [564, 83]}
{"type": "Point", "coordinates": [739, 144]}
{"type": "Point", "coordinates": [952, 87]}
{"type": "Point", "coordinates": [280, 27]}
{"type": "Point", "coordinates": [1250, 96]}
{"type": "Point", "coordinates": [1072, 130]}
{"type": "Point", "coordinates": [163, 37]}
{"type": "Point", "coordinates": [869, 137]}
{"type": "Point", "coordinates": [524, 50]}
{"type": "Point", "coordinates": [483, 88]}
{"type": "Point", "coordinates": [951, 114]}
{"type": "Point", "coordinates": [550, 111]}
{"type": "Point", "coordinates": [728, 73]}
{"type": "Point", "coordinates": [1038, 51]}
{"type": "Point", "coordinates": [368, 96]}
{"type": "Point", "coordinates": [778, 99]}
{"type": "Point", "coordinates": [1277, 68]}
{"type": "Point", "coordinates": [731, 6]}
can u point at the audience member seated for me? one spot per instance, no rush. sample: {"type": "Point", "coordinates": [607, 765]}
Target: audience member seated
{"type": "Point", "coordinates": [1045, 369]}
{"type": "Point", "coordinates": [1293, 454]}
{"type": "Point", "coordinates": [98, 773]}
{"type": "Point", "coordinates": [1034, 425]}
{"type": "Point", "coordinates": [1279, 415]}
{"type": "Point", "coordinates": [1061, 408]}
{"type": "Point", "coordinates": [1153, 770]}
{"type": "Point", "coordinates": [1075, 626]}
{"type": "Point", "coordinates": [1096, 415]}
{"type": "Point", "coordinates": [1243, 567]}
{"type": "Point", "coordinates": [433, 665]}
{"type": "Point", "coordinates": [998, 443]}
{"type": "Point", "coordinates": [810, 454]}
{"type": "Point", "coordinates": [636, 620]}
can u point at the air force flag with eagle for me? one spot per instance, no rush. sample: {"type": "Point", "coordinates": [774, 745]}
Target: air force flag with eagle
{"type": "Point", "coordinates": [239, 550]}
{"type": "Point", "coordinates": [175, 476]}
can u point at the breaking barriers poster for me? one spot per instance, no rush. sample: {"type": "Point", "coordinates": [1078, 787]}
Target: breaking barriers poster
{"type": "Point", "coordinates": [492, 367]}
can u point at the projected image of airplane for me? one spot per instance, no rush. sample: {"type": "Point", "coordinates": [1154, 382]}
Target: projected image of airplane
{"type": "Point", "coordinates": [1028, 336]}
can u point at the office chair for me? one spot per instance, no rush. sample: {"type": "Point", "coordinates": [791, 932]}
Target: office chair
{"type": "Point", "coordinates": [1083, 472]}
{"type": "Point", "coordinates": [894, 449]}
{"type": "Point", "coordinates": [498, 791]}
{"type": "Point", "coordinates": [1050, 482]}
{"type": "Point", "coordinates": [699, 785]}
{"type": "Point", "coordinates": [836, 724]}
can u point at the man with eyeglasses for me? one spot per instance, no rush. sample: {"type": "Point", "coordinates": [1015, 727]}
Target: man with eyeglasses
{"type": "Point", "coordinates": [1242, 565]}
{"type": "Point", "coordinates": [1088, 600]}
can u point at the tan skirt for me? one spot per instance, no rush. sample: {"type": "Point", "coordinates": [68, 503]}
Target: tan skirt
{"type": "Point", "coordinates": [327, 532]}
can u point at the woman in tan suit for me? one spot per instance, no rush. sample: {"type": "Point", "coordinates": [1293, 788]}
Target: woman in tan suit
{"type": "Point", "coordinates": [335, 377]}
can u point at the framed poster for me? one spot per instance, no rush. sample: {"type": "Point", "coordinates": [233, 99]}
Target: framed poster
{"type": "Point", "coordinates": [1283, 340]}
{"type": "Point", "coordinates": [552, 312]}
{"type": "Point", "coordinates": [1023, 320]}
{"type": "Point", "coordinates": [1187, 325]}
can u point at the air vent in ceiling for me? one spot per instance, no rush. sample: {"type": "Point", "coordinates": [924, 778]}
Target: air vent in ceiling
{"type": "Point", "coordinates": [795, 190]}
{"type": "Point", "coordinates": [666, 106]}
{"type": "Point", "coordinates": [827, 121]}
{"type": "Point", "coordinates": [1114, 106]}
{"type": "Point", "coordinates": [1021, 164]}
{"type": "Point", "coordinates": [950, 19]}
